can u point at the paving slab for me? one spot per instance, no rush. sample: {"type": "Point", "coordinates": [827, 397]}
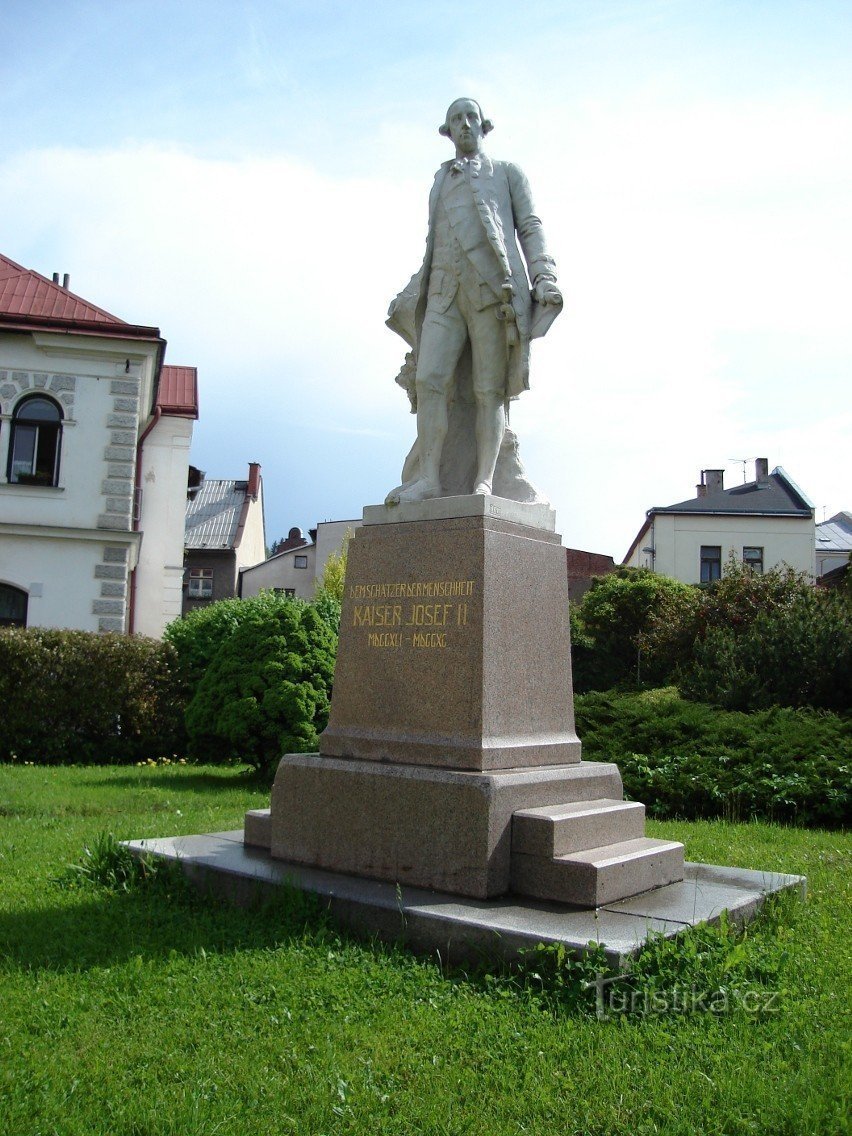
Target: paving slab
{"type": "Point", "coordinates": [463, 930]}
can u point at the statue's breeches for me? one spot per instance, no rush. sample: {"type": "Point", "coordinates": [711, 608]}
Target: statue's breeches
{"type": "Point", "coordinates": [443, 338]}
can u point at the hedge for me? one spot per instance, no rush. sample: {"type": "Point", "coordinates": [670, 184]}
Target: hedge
{"type": "Point", "coordinates": [81, 697]}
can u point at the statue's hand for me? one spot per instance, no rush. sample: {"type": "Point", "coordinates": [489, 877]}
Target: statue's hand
{"type": "Point", "coordinates": [547, 292]}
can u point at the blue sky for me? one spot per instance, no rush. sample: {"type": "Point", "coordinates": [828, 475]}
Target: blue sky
{"type": "Point", "coordinates": [252, 179]}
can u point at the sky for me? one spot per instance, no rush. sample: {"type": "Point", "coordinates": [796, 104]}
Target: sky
{"type": "Point", "coordinates": [251, 176]}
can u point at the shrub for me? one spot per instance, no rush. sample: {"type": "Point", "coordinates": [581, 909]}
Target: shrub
{"type": "Point", "coordinates": [334, 571]}
{"type": "Point", "coordinates": [267, 690]}
{"type": "Point", "coordinates": [688, 760]}
{"type": "Point", "coordinates": [198, 636]}
{"type": "Point", "coordinates": [796, 655]}
{"type": "Point", "coordinates": [76, 696]}
{"type": "Point", "coordinates": [608, 623]}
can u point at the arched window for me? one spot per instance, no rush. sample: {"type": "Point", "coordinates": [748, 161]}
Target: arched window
{"type": "Point", "coordinates": [13, 606]}
{"type": "Point", "coordinates": [34, 446]}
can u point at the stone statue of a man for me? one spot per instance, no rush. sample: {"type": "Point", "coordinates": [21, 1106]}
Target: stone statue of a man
{"type": "Point", "coordinates": [468, 316]}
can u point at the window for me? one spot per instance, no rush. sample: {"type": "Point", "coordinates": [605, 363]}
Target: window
{"type": "Point", "coordinates": [300, 561]}
{"type": "Point", "coordinates": [284, 591]}
{"type": "Point", "coordinates": [200, 584]}
{"type": "Point", "coordinates": [711, 563]}
{"type": "Point", "coordinates": [34, 447]}
{"type": "Point", "coordinates": [13, 606]}
{"type": "Point", "coordinates": [753, 557]}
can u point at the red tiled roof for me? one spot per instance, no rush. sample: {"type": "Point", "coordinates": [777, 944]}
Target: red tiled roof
{"type": "Point", "coordinates": [178, 391]}
{"type": "Point", "coordinates": [25, 293]}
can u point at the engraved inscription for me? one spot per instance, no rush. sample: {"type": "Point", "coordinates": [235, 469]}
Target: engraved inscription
{"type": "Point", "coordinates": [415, 625]}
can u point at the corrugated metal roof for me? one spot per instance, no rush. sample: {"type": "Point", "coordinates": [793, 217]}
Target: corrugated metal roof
{"type": "Point", "coordinates": [178, 391]}
{"type": "Point", "coordinates": [777, 495]}
{"type": "Point", "coordinates": [27, 293]}
{"type": "Point", "coordinates": [213, 514]}
{"type": "Point", "coordinates": [835, 534]}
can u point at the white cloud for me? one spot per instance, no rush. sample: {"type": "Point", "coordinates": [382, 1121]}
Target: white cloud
{"type": "Point", "coordinates": [680, 233]}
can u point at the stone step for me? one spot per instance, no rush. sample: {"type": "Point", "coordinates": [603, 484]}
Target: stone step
{"type": "Point", "coordinates": [596, 876]}
{"type": "Point", "coordinates": [555, 830]}
{"type": "Point", "coordinates": [257, 829]}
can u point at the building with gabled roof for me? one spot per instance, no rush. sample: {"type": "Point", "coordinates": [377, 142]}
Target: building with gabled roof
{"type": "Point", "coordinates": [94, 452]}
{"type": "Point", "coordinates": [224, 533]}
{"type": "Point", "coordinates": [765, 523]}
{"type": "Point", "coordinates": [298, 566]}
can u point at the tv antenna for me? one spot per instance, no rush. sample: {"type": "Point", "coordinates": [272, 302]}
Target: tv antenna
{"type": "Point", "coordinates": [743, 462]}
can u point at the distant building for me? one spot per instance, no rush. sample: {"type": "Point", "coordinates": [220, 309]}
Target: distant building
{"type": "Point", "coordinates": [296, 570]}
{"type": "Point", "coordinates": [833, 548]}
{"type": "Point", "coordinates": [582, 568]}
{"type": "Point", "coordinates": [225, 532]}
{"type": "Point", "coordinates": [94, 452]}
{"type": "Point", "coordinates": [766, 523]}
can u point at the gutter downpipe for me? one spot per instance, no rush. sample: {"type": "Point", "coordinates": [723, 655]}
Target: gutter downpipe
{"type": "Point", "coordinates": [158, 414]}
{"type": "Point", "coordinates": [137, 514]}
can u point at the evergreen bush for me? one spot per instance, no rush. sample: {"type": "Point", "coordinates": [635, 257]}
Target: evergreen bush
{"type": "Point", "coordinates": [799, 654]}
{"type": "Point", "coordinates": [689, 760]}
{"type": "Point", "coordinates": [77, 696]}
{"type": "Point", "coordinates": [198, 636]}
{"type": "Point", "coordinates": [267, 689]}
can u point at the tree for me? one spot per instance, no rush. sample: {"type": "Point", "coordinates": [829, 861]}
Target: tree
{"type": "Point", "coordinates": [334, 571]}
{"type": "Point", "coordinates": [610, 620]}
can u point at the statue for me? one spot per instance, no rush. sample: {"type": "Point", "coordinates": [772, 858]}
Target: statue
{"type": "Point", "coordinates": [468, 316]}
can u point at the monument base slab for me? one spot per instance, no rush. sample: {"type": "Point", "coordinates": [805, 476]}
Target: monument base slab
{"type": "Point", "coordinates": [438, 828]}
{"type": "Point", "coordinates": [463, 930]}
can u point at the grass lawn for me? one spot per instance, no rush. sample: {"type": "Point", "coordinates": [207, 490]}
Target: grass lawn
{"type": "Point", "coordinates": [148, 1012]}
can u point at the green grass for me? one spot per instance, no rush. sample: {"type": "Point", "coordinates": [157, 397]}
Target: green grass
{"type": "Point", "coordinates": [144, 1011]}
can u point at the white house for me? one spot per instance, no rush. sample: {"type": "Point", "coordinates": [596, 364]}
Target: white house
{"type": "Point", "coordinates": [766, 523]}
{"type": "Point", "coordinates": [296, 570]}
{"type": "Point", "coordinates": [94, 452]}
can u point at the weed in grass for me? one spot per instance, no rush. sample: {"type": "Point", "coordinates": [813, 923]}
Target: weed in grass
{"type": "Point", "coordinates": [108, 863]}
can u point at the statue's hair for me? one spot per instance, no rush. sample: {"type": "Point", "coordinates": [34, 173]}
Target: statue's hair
{"type": "Point", "coordinates": [487, 124]}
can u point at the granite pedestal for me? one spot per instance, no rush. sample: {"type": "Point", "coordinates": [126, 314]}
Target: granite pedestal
{"type": "Point", "coordinates": [452, 714]}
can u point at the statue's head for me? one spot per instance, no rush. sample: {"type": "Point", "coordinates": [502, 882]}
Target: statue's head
{"type": "Point", "coordinates": [466, 125]}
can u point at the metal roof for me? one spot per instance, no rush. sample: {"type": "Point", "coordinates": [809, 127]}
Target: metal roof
{"type": "Point", "coordinates": [177, 394]}
{"type": "Point", "coordinates": [835, 534]}
{"type": "Point", "coordinates": [213, 514]}
{"type": "Point", "coordinates": [27, 293]}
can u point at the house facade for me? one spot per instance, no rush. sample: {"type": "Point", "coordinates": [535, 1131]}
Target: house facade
{"type": "Point", "coordinates": [94, 450]}
{"type": "Point", "coordinates": [224, 533]}
{"type": "Point", "coordinates": [766, 523]}
{"type": "Point", "coordinates": [296, 569]}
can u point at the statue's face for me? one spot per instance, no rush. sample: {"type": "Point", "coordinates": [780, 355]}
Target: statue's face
{"type": "Point", "coordinates": [465, 125]}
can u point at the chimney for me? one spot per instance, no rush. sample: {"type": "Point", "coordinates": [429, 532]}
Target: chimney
{"type": "Point", "coordinates": [714, 481]}
{"type": "Point", "coordinates": [761, 470]}
{"type": "Point", "coordinates": [66, 281]}
{"type": "Point", "coordinates": [56, 278]}
{"type": "Point", "coordinates": [253, 487]}
{"type": "Point", "coordinates": [701, 488]}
